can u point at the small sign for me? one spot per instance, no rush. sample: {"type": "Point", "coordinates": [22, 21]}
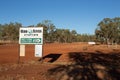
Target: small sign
{"type": "Point", "coordinates": [38, 50]}
{"type": "Point", "coordinates": [31, 35]}
{"type": "Point", "coordinates": [22, 50]}
{"type": "Point", "coordinates": [31, 40]}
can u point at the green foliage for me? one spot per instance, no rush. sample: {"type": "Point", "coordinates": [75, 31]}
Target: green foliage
{"type": "Point", "coordinates": [10, 31]}
{"type": "Point", "coordinates": [85, 38]}
{"type": "Point", "coordinates": [108, 30]}
{"type": "Point", "coordinates": [1, 28]}
{"type": "Point", "coordinates": [48, 30]}
{"type": "Point", "coordinates": [50, 33]}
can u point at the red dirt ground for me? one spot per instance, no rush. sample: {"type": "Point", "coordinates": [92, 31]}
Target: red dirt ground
{"type": "Point", "coordinates": [30, 68]}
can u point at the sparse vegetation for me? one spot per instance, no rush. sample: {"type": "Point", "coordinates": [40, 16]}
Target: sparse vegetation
{"type": "Point", "coordinates": [10, 32]}
{"type": "Point", "coordinates": [108, 31]}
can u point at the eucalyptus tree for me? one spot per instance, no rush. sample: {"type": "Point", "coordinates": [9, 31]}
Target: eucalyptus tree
{"type": "Point", "coordinates": [74, 35]}
{"type": "Point", "coordinates": [1, 28]}
{"type": "Point", "coordinates": [45, 28]}
{"type": "Point", "coordinates": [67, 35]}
{"type": "Point", "coordinates": [11, 31]}
{"type": "Point", "coordinates": [116, 29]}
{"type": "Point", "coordinates": [48, 30]}
{"type": "Point", "coordinates": [51, 31]}
{"type": "Point", "coordinates": [58, 35]}
{"type": "Point", "coordinates": [108, 30]}
{"type": "Point", "coordinates": [63, 35]}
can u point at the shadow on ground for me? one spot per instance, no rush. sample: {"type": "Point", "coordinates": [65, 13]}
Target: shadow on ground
{"type": "Point", "coordinates": [88, 66]}
{"type": "Point", "coordinates": [52, 56]}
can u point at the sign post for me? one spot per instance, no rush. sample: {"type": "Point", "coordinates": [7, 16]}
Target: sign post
{"type": "Point", "coordinates": [32, 35]}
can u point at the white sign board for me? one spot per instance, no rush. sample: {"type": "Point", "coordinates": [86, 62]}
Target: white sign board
{"type": "Point", "coordinates": [38, 50]}
{"type": "Point", "coordinates": [31, 35]}
{"type": "Point", "coordinates": [22, 50]}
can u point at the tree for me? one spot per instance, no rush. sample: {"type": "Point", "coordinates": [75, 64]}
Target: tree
{"type": "Point", "coordinates": [1, 29]}
{"type": "Point", "coordinates": [74, 35]}
{"type": "Point", "coordinates": [58, 35]}
{"type": "Point", "coordinates": [65, 35]}
{"type": "Point", "coordinates": [48, 30]}
{"type": "Point", "coordinates": [108, 30]}
{"type": "Point", "coordinates": [10, 31]}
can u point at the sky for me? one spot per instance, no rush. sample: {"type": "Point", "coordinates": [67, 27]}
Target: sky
{"type": "Point", "coordinates": [80, 15]}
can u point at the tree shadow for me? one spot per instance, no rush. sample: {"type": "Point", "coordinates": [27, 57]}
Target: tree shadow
{"type": "Point", "coordinates": [53, 57]}
{"type": "Point", "coordinates": [89, 66]}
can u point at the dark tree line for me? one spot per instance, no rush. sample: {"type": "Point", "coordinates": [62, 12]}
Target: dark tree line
{"type": "Point", "coordinates": [108, 31]}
